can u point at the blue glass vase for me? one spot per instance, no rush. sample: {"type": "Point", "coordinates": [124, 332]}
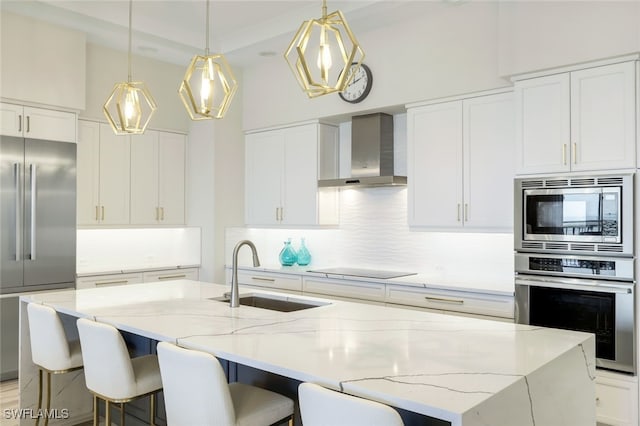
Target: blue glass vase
{"type": "Point", "coordinates": [288, 255]}
{"type": "Point", "coordinates": [304, 257]}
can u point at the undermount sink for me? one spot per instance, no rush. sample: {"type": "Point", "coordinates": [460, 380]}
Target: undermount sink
{"type": "Point", "coordinates": [274, 303]}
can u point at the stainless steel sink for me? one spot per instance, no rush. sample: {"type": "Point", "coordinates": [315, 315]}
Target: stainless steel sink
{"type": "Point", "coordinates": [274, 303]}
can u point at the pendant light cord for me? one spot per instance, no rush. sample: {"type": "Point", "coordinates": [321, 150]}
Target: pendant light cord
{"type": "Point", "coordinates": [206, 50]}
{"type": "Point", "coordinates": [129, 57]}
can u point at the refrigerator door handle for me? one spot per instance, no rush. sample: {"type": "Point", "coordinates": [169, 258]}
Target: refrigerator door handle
{"type": "Point", "coordinates": [34, 173]}
{"type": "Point", "coordinates": [16, 167]}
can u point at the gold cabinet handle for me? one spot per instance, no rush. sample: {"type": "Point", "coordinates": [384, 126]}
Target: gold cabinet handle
{"type": "Point", "coordinates": [281, 214]}
{"type": "Point", "coordinates": [270, 280]}
{"type": "Point", "coordinates": [161, 213]}
{"type": "Point", "coordinates": [28, 124]}
{"type": "Point", "coordinates": [466, 212]}
{"type": "Point", "coordinates": [97, 214]}
{"type": "Point", "coordinates": [574, 153]}
{"type": "Point", "coordinates": [102, 212]}
{"type": "Point", "coordinates": [444, 300]}
{"type": "Point", "coordinates": [172, 277]}
{"type": "Point", "coordinates": [112, 282]}
{"type": "Point", "coordinates": [564, 154]}
{"type": "Point", "coordinates": [20, 123]}
{"type": "Point", "coordinates": [458, 212]}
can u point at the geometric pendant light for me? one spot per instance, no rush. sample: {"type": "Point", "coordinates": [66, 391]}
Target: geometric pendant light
{"type": "Point", "coordinates": [130, 105]}
{"type": "Point", "coordinates": [324, 55]}
{"type": "Point", "coordinates": [208, 85]}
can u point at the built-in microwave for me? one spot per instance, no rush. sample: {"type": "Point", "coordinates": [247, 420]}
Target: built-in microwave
{"type": "Point", "coordinates": [575, 214]}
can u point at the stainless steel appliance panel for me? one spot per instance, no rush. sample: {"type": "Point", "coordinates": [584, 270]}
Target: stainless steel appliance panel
{"type": "Point", "coordinates": [11, 208]}
{"type": "Point", "coordinates": [50, 213]}
{"type": "Point", "coordinates": [605, 308]}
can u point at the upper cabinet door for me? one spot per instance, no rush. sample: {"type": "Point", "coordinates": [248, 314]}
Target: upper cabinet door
{"type": "Point", "coordinates": [603, 117]}
{"type": "Point", "coordinates": [39, 123]}
{"type": "Point", "coordinates": [435, 165]}
{"type": "Point", "coordinates": [11, 120]}
{"type": "Point", "coordinates": [114, 177]}
{"type": "Point", "coordinates": [171, 181]}
{"type": "Point", "coordinates": [88, 173]}
{"type": "Point", "coordinates": [264, 164]}
{"type": "Point", "coordinates": [489, 128]}
{"type": "Point", "coordinates": [144, 178]}
{"type": "Point", "coordinates": [542, 124]}
{"type": "Point", "coordinates": [300, 184]}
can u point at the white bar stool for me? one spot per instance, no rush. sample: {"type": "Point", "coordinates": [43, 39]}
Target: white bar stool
{"type": "Point", "coordinates": [196, 392]}
{"type": "Point", "coordinates": [51, 351]}
{"type": "Point", "coordinates": [323, 407]}
{"type": "Point", "coordinates": [110, 374]}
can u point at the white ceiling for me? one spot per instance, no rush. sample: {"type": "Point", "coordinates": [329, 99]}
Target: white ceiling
{"type": "Point", "coordinates": [174, 30]}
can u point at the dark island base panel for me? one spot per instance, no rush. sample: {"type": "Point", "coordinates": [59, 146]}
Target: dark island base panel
{"type": "Point", "coordinates": [137, 412]}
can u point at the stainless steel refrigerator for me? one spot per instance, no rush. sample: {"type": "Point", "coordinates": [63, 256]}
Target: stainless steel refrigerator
{"type": "Point", "coordinates": [38, 229]}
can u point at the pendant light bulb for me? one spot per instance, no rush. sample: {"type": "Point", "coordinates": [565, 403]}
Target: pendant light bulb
{"type": "Point", "coordinates": [322, 52]}
{"type": "Point", "coordinates": [208, 84]}
{"type": "Point", "coordinates": [130, 106]}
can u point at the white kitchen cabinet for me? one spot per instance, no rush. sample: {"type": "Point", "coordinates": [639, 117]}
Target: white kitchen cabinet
{"type": "Point", "coordinates": [346, 289]}
{"type": "Point", "coordinates": [171, 274]}
{"type": "Point", "coordinates": [616, 399]}
{"type": "Point", "coordinates": [577, 121]}
{"type": "Point", "coordinates": [282, 168]}
{"type": "Point", "coordinates": [103, 175]}
{"type": "Point", "coordinates": [460, 168]}
{"type": "Point", "coordinates": [158, 178]}
{"type": "Point", "coordinates": [108, 280]}
{"type": "Point", "coordinates": [268, 280]}
{"type": "Point", "coordinates": [484, 304]}
{"type": "Point", "coordinates": [37, 123]}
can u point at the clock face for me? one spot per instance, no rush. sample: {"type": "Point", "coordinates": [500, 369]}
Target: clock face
{"type": "Point", "coordinates": [360, 85]}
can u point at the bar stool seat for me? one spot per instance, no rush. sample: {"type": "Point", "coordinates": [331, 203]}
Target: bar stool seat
{"type": "Point", "coordinates": [51, 351]}
{"type": "Point", "coordinates": [110, 374]}
{"type": "Point", "coordinates": [324, 407]}
{"type": "Point", "coordinates": [196, 392]}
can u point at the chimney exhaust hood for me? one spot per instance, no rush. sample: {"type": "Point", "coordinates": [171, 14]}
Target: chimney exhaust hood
{"type": "Point", "coordinates": [371, 154]}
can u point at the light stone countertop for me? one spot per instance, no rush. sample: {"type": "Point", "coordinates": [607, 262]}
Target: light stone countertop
{"type": "Point", "coordinates": [466, 371]}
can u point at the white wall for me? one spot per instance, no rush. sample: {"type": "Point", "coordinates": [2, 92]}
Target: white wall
{"type": "Point", "coordinates": [215, 184]}
{"type": "Point", "coordinates": [547, 34]}
{"type": "Point", "coordinates": [106, 67]}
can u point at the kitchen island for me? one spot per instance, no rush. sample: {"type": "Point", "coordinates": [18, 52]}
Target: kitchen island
{"type": "Point", "coordinates": [439, 368]}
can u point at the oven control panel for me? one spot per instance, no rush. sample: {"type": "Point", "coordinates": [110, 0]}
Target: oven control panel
{"type": "Point", "coordinates": [575, 266]}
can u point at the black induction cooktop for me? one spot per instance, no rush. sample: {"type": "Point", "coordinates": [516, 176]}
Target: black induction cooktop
{"type": "Point", "coordinates": [363, 273]}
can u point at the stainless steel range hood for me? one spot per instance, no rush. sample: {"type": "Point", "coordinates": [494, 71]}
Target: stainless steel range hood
{"type": "Point", "coordinates": [371, 154]}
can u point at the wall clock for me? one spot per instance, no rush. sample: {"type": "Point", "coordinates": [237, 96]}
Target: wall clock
{"type": "Point", "coordinates": [360, 85]}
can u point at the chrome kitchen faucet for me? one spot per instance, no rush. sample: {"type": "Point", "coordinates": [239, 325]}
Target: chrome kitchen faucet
{"type": "Point", "coordinates": [234, 301]}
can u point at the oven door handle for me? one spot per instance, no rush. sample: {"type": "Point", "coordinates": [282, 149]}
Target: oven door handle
{"type": "Point", "coordinates": [575, 284]}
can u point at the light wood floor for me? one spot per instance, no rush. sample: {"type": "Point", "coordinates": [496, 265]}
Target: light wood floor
{"type": "Point", "coordinates": [8, 400]}
{"type": "Point", "coordinates": [9, 393]}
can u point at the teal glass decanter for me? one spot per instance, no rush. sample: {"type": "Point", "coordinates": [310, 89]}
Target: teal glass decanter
{"type": "Point", "coordinates": [304, 257]}
{"type": "Point", "coordinates": [288, 255]}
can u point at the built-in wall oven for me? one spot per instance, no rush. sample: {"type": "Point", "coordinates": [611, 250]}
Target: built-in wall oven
{"type": "Point", "coordinates": [574, 260]}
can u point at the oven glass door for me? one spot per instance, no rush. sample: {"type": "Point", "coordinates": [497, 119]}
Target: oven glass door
{"type": "Point", "coordinates": [572, 214]}
{"type": "Point", "coordinates": [587, 311]}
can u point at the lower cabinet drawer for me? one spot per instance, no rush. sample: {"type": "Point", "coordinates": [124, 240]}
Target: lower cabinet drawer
{"type": "Point", "coordinates": [268, 280]}
{"type": "Point", "coordinates": [171, 274]}
{"type": "Point", "coordinates": [108, 280]}
{"type": "Point", "coordinates": [616, 402]}
{"type": "Point", "coordinates": [473, 303]}
{"type": "Point", "coordinates": [350, 289]}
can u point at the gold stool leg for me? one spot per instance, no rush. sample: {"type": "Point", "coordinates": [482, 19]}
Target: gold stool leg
{"type": "Point", "coordinates": [46, 412]}
{"type": "Point", "coordinates": [39, 395]}
{"type": "Point", "coordinates": [107, 414]}
{"type": "Point", "coordinates": [152, 409]}
{"type": "Point", "coordinates": [96, 411]}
